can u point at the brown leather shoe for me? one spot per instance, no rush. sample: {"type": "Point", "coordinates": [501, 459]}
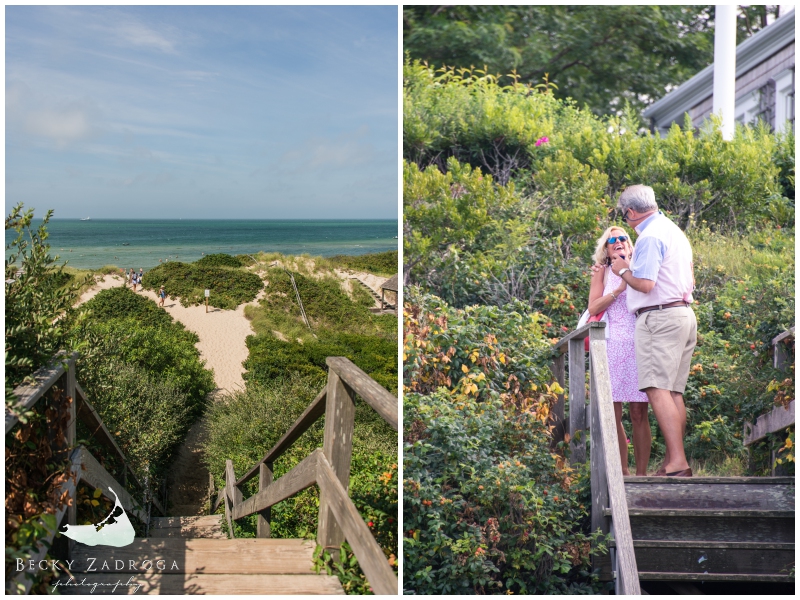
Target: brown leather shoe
{"type": "Point", "coordinates": [684, 473]}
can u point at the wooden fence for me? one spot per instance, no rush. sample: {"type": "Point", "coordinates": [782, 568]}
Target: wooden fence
{"type": "Point", "coordinates": [83, 466]}
{"type": "Point", "coordinates": [328, 467]}
{"type": "Point", "coordinates": [608, 488]}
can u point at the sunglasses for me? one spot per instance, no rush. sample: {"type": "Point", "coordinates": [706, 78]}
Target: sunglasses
{"type": "Point", "coordinates": [621, 238]}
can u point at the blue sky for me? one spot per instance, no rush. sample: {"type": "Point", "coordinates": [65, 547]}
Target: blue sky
{"type": "Point", "coordinates": [202, 112]}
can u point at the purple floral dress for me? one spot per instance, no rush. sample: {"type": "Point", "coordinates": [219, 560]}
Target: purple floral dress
{"type": "Point", "coordinates": [619, 343]}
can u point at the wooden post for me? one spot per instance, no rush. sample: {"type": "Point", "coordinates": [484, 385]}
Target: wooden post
{"type": "Point", "coordinates": [577, 401]}
{"type": "Point", "coordinates": [557, 414]}
{"type": "Point", "coordinates": [599, 483]}
{"type": "Point", "coordinates": [338, 449]}
{"type": "Point", "coordinates": [233, 494]}
{"type": "Point", "coordinates": [613, 495]}
{"type": "Point", "coordinates": [264, 480]}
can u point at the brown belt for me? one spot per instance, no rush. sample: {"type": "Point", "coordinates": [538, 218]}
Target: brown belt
{"type": "Point", "coordinates": [660, 307]}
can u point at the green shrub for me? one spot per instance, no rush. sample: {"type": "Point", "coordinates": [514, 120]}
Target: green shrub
{"type": "Point", "coordinates": [487, 507]}
{"type": "Point", "coordinates": [380, 263]}
{"type": "Point", "coordinates": [148, 414]}
{"type": "Point", "coordinates": [122, 303]}
{"type": "Point", "coordinates": [229, 287]}
{"type": "Point", "coordinates": [270, 358]}
{"type": "Point", "coordinates": [221, 260]}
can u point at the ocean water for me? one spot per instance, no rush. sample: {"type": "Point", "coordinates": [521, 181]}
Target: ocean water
{"type": "Point", "coordinates": [146, 243]}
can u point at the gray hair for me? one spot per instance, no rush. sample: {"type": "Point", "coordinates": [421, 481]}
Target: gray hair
{"type": "Point", "coordinates": [640, 198]}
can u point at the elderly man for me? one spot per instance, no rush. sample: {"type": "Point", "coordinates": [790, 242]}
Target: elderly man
{"type": "Point", "coordinates": [660, 283]}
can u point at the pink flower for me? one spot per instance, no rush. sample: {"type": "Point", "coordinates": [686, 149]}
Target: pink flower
{"type": "Point", "coordinates": [542, 140]}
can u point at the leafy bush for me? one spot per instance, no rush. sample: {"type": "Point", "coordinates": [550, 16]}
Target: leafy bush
{"type": "Point", "coordinates": [513, 131]}
{"type": "Point", "coordinates": [229, 287]}
{"type": "Point", "coordinates": [380, 263]}
{"type": "Point", "coordinates": [122, 303]}
{"type": "Point", "coordinates": [487, 507]}
{"type": "Point", "coordinates": [270, 358]}
{"type": "Point", "coordinates": [221, 260]}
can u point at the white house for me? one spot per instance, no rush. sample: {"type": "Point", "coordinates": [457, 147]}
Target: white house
{"type": "Point", "coordinates": [764, 84]}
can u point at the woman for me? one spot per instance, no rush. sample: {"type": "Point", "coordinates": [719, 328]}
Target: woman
{"type": "Point", "coordinates": [608, 293]}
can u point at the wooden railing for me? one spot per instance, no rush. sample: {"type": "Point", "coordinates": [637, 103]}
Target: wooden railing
{"type": "Point", "coordinates": [608, 487]}
{"type": "Point", "coordinates": [83, 466]}
{"type": "Point", "coordinates": [328, 467]}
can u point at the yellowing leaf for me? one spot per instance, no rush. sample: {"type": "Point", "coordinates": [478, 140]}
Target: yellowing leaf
{"type": "Point", "coordinates": [465, 368]}
{"type": "Point", "coordinates": [97, 493]}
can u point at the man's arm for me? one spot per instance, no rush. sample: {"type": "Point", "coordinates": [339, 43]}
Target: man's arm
{"type": "Point", "coordinates": [639, 284]}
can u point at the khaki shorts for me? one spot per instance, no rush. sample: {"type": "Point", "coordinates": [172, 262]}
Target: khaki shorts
{"type": "Point", "coordinates": [665, 340]}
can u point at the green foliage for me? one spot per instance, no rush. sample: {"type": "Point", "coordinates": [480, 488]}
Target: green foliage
{"type": "Point", "coordinates": [380, 263]}
{"type": "Point", "coordinates": [229, 287]}
{"type": "Point", "coordinates": [35, 299]}
{"type": "Point", "coordinates": [222, 260]}
{"type": "Point", "coordinates": [326, 304]}
{"type": "Point", "coordinates": [501, 129]}
{"type": "Point", "coordinates": [142, 373]}
{"type": "Point", "coordinates": [271, 358]}
{"type": "Point", "coordinates": [597, 55]}
{"type": "Point", "coordinates": [122, 303]}
{"type": "Point", "coordinates": [487, 507]}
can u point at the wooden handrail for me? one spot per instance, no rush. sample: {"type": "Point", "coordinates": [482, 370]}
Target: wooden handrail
{"type": "Point", "coordinates": [370, 390]}
{"type": "Point", "coordinates": [27, 395]}
{"type": "Point", "coordinates": [328, 467]}
{"type": "Point", "coordinates": [608, 488]}
{"type": "Point", "coordinates": [310, 415]}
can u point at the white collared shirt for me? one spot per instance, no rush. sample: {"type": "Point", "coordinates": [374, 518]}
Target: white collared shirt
{"type": "Point", "coordinates": [663, 255]}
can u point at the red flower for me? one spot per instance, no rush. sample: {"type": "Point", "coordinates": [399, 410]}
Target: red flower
{"type": "Point", "coordinates": [541, 140]}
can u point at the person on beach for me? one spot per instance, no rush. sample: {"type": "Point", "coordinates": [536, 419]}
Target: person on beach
{"type": "Point", "coordinates": [161, 296]}
{"type": "Point", "coordinates": [608, 293]}
{"type": "Point", "coordinates": [660, 282]}
{"type": "Point", "coordinates": [141, 275]}
{"type": "Point", "coordinates": [130, 277]}
{"type": "Point", "coordinates": [135, 280]}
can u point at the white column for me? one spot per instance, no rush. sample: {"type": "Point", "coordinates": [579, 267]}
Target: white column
{"type": "Point", "coordinates": [725, 68]}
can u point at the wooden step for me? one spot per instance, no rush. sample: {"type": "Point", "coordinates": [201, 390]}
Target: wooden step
{"type": "Point", "coordinates": [713, 558]}
{"type": "Point", "coordinates": [198, 555]}
{"type": "Point", "coordinates": [189, 527]}
{"type": "Point", "coordinates": [712, 525]}
{"type": "Point", "coordinates": [158, 583]}
{"type": "Point", "coordinates": [735, 493]}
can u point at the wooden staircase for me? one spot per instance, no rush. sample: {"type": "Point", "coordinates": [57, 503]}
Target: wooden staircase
{"type": "Point", "coordinates": [734, 529]}
{"type": "Point", "coordinates": [679, 531]}
{"type": "Point", "coordinates": [191, 555]}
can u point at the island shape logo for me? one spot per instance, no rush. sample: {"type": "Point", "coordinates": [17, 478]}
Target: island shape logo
{"type": "Point", "coordinates": [115, 530]}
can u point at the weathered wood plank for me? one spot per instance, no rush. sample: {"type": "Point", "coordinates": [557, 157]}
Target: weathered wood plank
{"type": "Point", "coordinates": [599, 484]}
{"type": "Point", "coordinates": [557, 412]}
{"type": "Point", "coordinates": [199, 555]}
{"type": "Point", "coordinates": [775, 420]}
{"type": "Point", "coordinates": [714, 557]}
{"type": "Point", "coordinates": [310, 415]}
{"type": "Point", "coordinates": [299, 478]}
{"type": "Point", "coordinates": [369, 554]}
{"type": "Point", "coordinates": [265, 477]}
{"type": "Point", "coordinates": [43, 379]}
{"type": "Point", "coordinates": [713, 526]}
{"type": "Point", "coordinates": [627, 576]}
{"type": "Point", "coordinates": [93, 473]}
{"type": "Point", "coordinates": [202, 584]}
{"type": "Point", "coordinates": [579, 334]}
{"type": "Point", "coordinates": [780, 355]}
{"type": "Point", "coordinates": [370, 390]}
{"type": "Point", "coordinates": [229, 497]}
{"type": "Point", "coordinates": [577, 402]}
{"type": "Point", "coordinates": [338, 448]}
{"type": "Point", "coordinates": [696, 495]}
{"type": "Point", "coordinates": [652, 576]}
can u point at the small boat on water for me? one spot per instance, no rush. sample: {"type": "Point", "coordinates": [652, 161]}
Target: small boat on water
{"type": "Point", "coordinates": [125, 244]}
{"type": "Point", "coordinates": [87, 219]}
